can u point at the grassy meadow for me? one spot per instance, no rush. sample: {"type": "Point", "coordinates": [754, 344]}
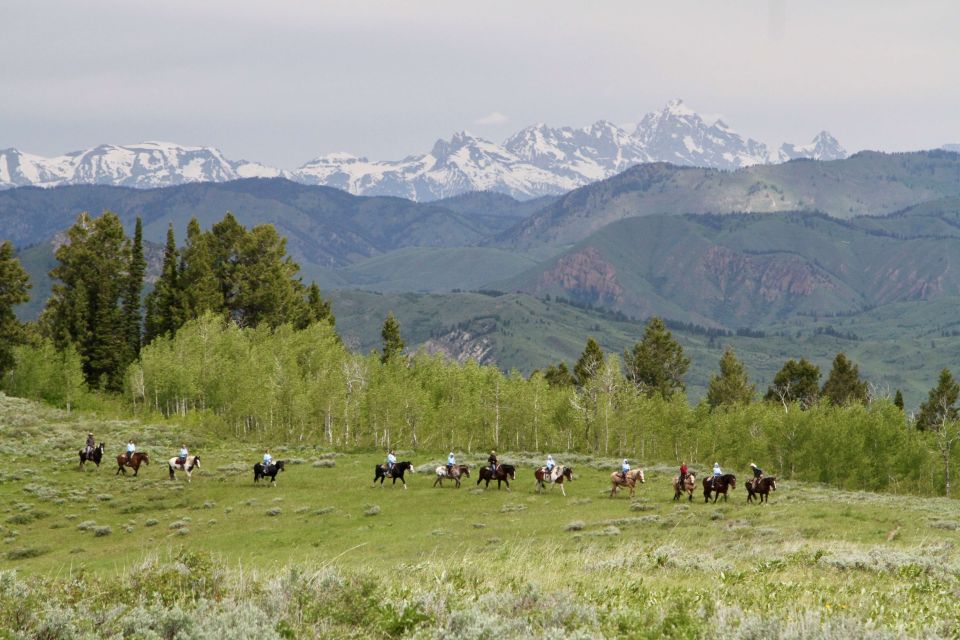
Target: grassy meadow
{"type": "Point", "coordinates": [322, 554]}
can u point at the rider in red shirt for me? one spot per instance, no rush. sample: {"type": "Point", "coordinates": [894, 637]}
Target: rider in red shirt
{"type": "Point", "coordinates": [683, 474]}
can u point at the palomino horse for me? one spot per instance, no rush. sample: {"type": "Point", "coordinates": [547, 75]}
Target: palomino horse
{"type": "Point", "coordinates": [133, 462]}
{"type": "Point", "coordinates": [559, 474]}
{"type": "Point", "coordinates": [689, 484]}
{"type": "Point", "coordinates": [761, 488]}
{"type": "Point", "coordinates": [718, 485]}
{"type": "Point", "coordinates": [95, 456]}
{"type": "Point", "coordinates": [504, 473]}
{"type": "Point", "coordinates": [191, 463]}
{"type": "Point", "coordinates": [456, 472]}
{"type": "Point", "coordinates": [259, 471]}
{"type": "Point", "coordinates": [617, 480]}
{"type": "Point", "coordinates": [381, 473]}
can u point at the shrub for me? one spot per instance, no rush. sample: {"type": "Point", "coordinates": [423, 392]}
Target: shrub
{"type": "Point", "coordinates": [104, 530]}
{"type": "Point", "coordinates": [372, 510]}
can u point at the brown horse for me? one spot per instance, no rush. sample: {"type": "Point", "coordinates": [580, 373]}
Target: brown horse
{"type": "Point", "coordinates": [617, 480]}
{"type": "Point", "coordinates": [504, 473]}
{"type": "Point", "coordinates": [133, 462]}
{"type": "Point", "coordinates": [689, 484]}
{"type": "Point", "coordinates": [456, 472]}
{"type": "Point", "coordinates": [560, 473]}
{"type": "Point", "coordinates": [718, 485]}
{"type": "Point", "coordinates": [762, 488]}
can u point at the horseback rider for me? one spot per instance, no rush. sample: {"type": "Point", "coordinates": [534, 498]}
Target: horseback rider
{"type": "Point", "coordinates": [391, 460]}
{"type": "Point", "coordinates": [451, 462]}
{"type": "Point", "coordinates": [757, 474]}
{"type": "Point", "coordinates": [716, 473]}
{"type": "Point", "coordinates": [549, 465]}
{"type": "Point", "coordinates": [90, 446]}
{"type": "Point", "coordinates": [131, 449]}
{"type": "Point", "coordinates": [493, 461]}
{"type": "Point", "coordinates": [683, 475]}
{"type": "Point", "coordinates": [182, 458]}
{"type": "Point", "coordinates": [624, 469]}
{"type": "Point", "coordinates": [267, 459]}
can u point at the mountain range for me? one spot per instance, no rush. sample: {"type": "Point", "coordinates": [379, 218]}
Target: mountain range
{"type": "Point", "coordinates": [535, 161]}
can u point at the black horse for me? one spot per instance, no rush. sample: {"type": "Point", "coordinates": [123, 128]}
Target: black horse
{"type": "Point", "coordinates": [504, 473]}
{"type": "Point", "coordinates": [761, 487]}
{"type": "Point", "coordinates": [380, 472]}
{"type": "Point", "coordinates": [260, 472]}
{"type": "Point", "coordinates": [718, 485]}
{"type": "Point", "coordinates": [94, 456]}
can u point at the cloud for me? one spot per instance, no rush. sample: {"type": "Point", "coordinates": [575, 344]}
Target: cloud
{"type": "Point", "coordinates": [494, 117]}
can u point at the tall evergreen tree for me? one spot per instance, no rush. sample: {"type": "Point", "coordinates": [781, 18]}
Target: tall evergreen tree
{"type": "Point", "coordinates": [163, 315]}
{"type": "Point", "coordinates": [656, 363]}
{"type": "Point", "coordinates": [225, 246]}
{"type": "Point", "coordinates": [731, 386]}
{"type": "Point", "coordinates": [589, 364]}
{"type": "Point", "coordinates": [316, 309]}
{"type": "Point", "coordinates": [797, 381]}
{"type": "Point", "coordinates": [267, 288]}
{"type": "Point", "coordinates": [940, 406]}
{"type": "Point", "coordinates": [14, 284]}
{"type": "Point", "coordinates": [132, 319]}
{"type": "Point", "coordinates": [843, 385]}
{"type": "Point", "coordinates": [200, 289]}
{"type": "Point", "coordinates": [85, 306]}
{"type": "Point", "coordinates": [392, 342]}
{"type": "Point", "coordinates": [898, 400]}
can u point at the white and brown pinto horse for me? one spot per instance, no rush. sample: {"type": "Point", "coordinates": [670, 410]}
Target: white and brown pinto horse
{"type": "Point", "coordinates": [457, 471]}
{"type": "Point", "coordinates": [191, 463]}
{"type": "Point", "coordinates": [618, 480]}
{"type": "Point", "coordinates": [689, 486]}
{"type": "Point", "coordinates": [557, 476]}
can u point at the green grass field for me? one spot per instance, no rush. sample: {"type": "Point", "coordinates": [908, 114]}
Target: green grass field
{"type": "Point", "coordinates": [814, 561]}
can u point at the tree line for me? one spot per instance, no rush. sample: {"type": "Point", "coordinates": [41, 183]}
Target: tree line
{"type": "Point", "coordinates": [232, 338]}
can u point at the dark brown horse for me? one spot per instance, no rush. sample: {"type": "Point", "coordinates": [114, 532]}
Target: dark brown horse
{"type": "Point", "coordinates": [95, 456]}
{"type": "Point", "coordinates": [718, 485]}
{"type": "Point", "coordinates": [456, 472]}
{"type": "Point", "coordinates": [134, 462]}
{"type": "Point", "coordinates": [381, 473]}
{"type": "Point", "coordinates": [560, 473]}
{"type": "Point", "coordinates": [762, 488]}
{"type": "Point", "coordinates": [504, 473]}
{"type": "Point", "coordinates": [689, 484]}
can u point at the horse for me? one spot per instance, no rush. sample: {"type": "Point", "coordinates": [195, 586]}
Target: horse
{"type": "Point", "coordinates": [133, 462]}
{"type": "Point", "coordinates": [380, 472]}
{"type": "Point", "coordinates": [761, 487]}
{"type": "Point", "coordinates": [718, 485]}
{"type": "Point", "coordinates": [690, 483]}
{"type": "Point", "coordinates": [504, 473]}
{"type": "Point", "coordinates": [191, 463]}
{"type": "Point", "coordinates": [95, 456]}
{"type": "Point", "coordinates": [617, 481]}
{"type": "Point", "coordinates": [455, 474]}
{"type": "Point", "coordinates": [259, 471]}
{"type": "Point", "coordinates": [559, 474]}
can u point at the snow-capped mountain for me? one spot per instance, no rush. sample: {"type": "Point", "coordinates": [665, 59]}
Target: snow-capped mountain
{"type": "Point", "coordinates": [823, 147]}
{"type": "Point", "coordinates": [144, 165]}
{"type": "Point", "coordinates": [538, 160]}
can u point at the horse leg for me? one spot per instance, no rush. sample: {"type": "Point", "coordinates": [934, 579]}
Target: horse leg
{"type": "Point", "coordinates": [562, 490]}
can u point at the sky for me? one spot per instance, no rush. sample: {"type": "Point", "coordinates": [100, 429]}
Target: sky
{"type": "Point", "coordinates": [283, 82]}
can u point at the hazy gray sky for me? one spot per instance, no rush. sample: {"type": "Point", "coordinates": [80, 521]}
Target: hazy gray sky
{"type": "Point", "coordinates": [282, 82]}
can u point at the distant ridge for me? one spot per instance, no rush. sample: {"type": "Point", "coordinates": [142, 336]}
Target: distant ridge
{"type": "Point", "coordinates": [535, 161]}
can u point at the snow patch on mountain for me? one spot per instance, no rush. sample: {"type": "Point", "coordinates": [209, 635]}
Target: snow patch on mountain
{"type": "Point", "coordinates": [823, 147]}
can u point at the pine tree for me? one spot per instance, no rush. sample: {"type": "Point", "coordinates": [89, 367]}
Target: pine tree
{"type": "Point", "coordinates": [163, 315]}
{"type": "Point", "coordinates": [589, 364]}
{"type": "Point", "coordinates": [14, 284]}
{"type": "Point", "coordinates": [843, 385]}
{"type": "Point", "coordinates": [392, 342]}
{"type": "Point", "coordinates": [225, 247]}
{"type": "Point", "coordinates": [200, 290]}
{"type": "Point", "coordinates": [731, 386]}
{"type": "Point", "coordinates": [131, 295]}
{"type": "Point", "coordinates": [316, 309]}
{"type": "Point", "coordinates": [267, 288]}
{"type": "Point", "coordinates": [898, 400]}
{"type": "Point", "coordinates": [797, 381]}
{"type": "Point", "coordinates": [940, 406]}
{"type": "Point", "coordinates": [85, 306]}
{"type": "Point", "coordinates": [656, 363]}
{"type": "Point", "coordinates": [558, 376]}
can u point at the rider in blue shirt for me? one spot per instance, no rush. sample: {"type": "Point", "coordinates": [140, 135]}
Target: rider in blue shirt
{"type": "Point", "coordinates": [391, 460]}
{"type": "Point", "coordinates": [624, 469]}
{"type": "Point", "coordinates": [550, 464]}
{"type": "Point", "coordinates": [451, 461]}
{"type": "Point", "coordinates": [131, 449]}
{"type": "Point", "coordinates": [182, 458]}
{"type": "Point", "coordinates": [267, 460]}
